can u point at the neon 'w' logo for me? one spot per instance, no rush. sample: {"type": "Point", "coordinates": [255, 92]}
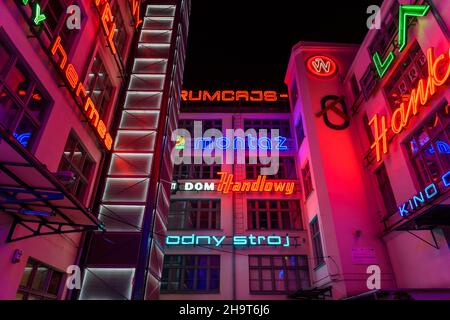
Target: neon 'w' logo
{"type": "Point", "coordinates": [321, 66]}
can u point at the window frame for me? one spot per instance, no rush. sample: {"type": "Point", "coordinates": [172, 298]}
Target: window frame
{"type": "Point", "coordinates": [316, 243]}
{"type": "Point", "coordinates": [308, 187]}
{"type": "Point", "coordinates": [287, 167]}
{"type": "Point", "coordinates": [183, 216]}
{"type": "Point", "coordinates": [254, 212]}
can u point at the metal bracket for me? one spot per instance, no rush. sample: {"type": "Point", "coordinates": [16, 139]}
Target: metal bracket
{"type": "Point", "coordinates": [435, 245]}
{"type": "Point", "coordinates": [39, 195]}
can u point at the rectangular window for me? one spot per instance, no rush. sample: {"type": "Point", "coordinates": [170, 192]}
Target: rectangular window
{"type": "Point", "coordinates": [278, 274]}
{"type": "Point", "coordinates": [24, 104]}
{"type": "Point", "coordinates": [39, 282]}
{"type": "Point", "coordinates": [368, 82]}
{"type": "Point", "coordinates": [294, 95]}
{"type": "Point", "coordinates": [196, 172]}
{"type": "Point", "coordinates": [355, 87]}
{"type": "Point", "coordinates": [99, 86]}
{"type": "Point", "coordinates": [120, 33]}
{"type": "Point", "coordinates": [405, 78]}
{"type": "Point", "coordinates": [194, 215]}
{"type": "Point", "coordinates": [287, 169]}
{"type": "Point", "coordinates": [274, 215]}
{"type": "Point", "coordinates": [284, 126]}
{"type": "Point", "coordinates": [206, 125]}
{"type": "Point", "coordinates": [300, 132]}
{"type": "Point", "coordinates": [307, 180]}
{"type": "Point", "coordinates": [385, 187]}
{"type": "Point", "coordinates": [316, 241]}
{"type": "Point", "coordinates": [191, 274]}
{"type": "Point", "coordinates": [429, 148]}
{"type": "Point", "coordinates": [79, 163]}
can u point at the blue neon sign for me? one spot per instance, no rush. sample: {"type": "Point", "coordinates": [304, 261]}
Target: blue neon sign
{"type": "Point", "coordinates": [239, 143]}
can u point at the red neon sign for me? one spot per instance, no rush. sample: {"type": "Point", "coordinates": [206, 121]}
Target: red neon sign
{"type": "Point", "coordinates": [321, 66]}
{"type": "Point", "coordinates": [70, 75]}
{"type": "Point", "coordinates": [419, 96]}
{"type": "Point", "coordinates": [232, 96]}
{"type": "Point", "coordinates": [135, 8]}
{"type": "Point", "coordinates": [107, 22]}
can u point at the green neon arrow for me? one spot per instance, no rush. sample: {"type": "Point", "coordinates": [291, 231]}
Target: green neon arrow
{"type": "Point", "coordinates": [25, 2]}
{"type": "Point", "coordinates": [38, 16]}
{"type": "Point", "coordinates": [382, 66]}
{"type": "Point", "coordinates": [404, 12]}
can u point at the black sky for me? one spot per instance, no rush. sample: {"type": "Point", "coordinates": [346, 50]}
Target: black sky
{"type": "Point", "coordinates": [237, 44]}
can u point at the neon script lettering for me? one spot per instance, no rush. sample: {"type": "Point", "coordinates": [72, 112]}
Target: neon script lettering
{"type": "Point", "coordinates": [107, 23]}
{"type": "Point", "coordinates": [70, 76]}
{"type": "Point", "coordinates": [232, 96]}
{"type": "Point", "coordinates": [135, 8]}
{"type": "Point", "coordinates": [420, 96]}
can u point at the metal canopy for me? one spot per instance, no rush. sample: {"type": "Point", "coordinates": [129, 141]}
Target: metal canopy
{"type": "Point", "coordinates": [433, 217]}
{"type": "Point", "coordinates": [38, 203]}
{"type": "Point", "coordinates": [313, 294]}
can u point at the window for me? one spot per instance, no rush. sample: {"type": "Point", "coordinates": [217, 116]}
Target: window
{"type": "Point", "coordinates": [191, 274]}
{"type": "Point", "coordinates": [39, 282]}
{"type": "Point", "coordinates": [355, 87]}
{"type": "Point", "coordinates": [120, 33]}
{"type": "Point", "coordinates": [412, 68]}
{"type": "Point", "coordinates": [274, 215]}
{"type": "Point", "coordinates": [76, 160]}
{"type": "Point", "coordinates": [300, 132]}
{"type": "Point", "coordinates": [24, 104]}
{"type": "Point", "coordinates": [287, 169]}
{"type": "Point", "coordinates": [278, 274]}
{"type": "Point", "coordinates": [307, 180]}
{"type": "Point", "coordinates": [367, 128]}
{"type": "Point", "coordinates": [429, 148]}
{"type": "Point", "coordinates": [206, 125]}
{"type": "Point", "coordinates": [55, 22]}
{"type": "Point", "coordinates": [368, 82]}
{"type": "Point", "coordinates": [196, 172]}
{"type": "Point", "coordinates": [316, 241]}
{"type": "Point", "coordinates": [386, 190]}
{"type": "Point", "coordinates": [284, 126]}
{"type": "Point", "coordinates": [194, 215]}
{"type": "Point", "coordinates": [294, 95]}
{"type": "Point", "coordinates": [99, 86]}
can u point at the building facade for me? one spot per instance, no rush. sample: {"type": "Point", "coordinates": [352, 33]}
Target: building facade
{"type": "Point", "coordinates": [375, 119]}
{"type": "Point", "coordinates": [61, 71]}
{"type": "Point", "coordinates": [263, 251]}
{"type": "Point", "coordinates": [125, 261]}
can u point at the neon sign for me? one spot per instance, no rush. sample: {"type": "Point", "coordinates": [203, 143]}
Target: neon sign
{"type": "Point", "coordinates": [70, 75]}
{"type": "Point", "coordinates": [429, 193]}
{"type": "Point", "coordinates": [135, 8]}
{"type": "Point", "coordinates": [419, 96]}
{"type": "Point", "coordinates": [239, 143]}
{"type": "Point", "coordinates": [321, 66]}
{"type": "Point", "coordinates": [38, 16]}
{"type": "Point", "coordinates": [227, 185]}
{"type": "Point", "coordinates": [232, 96]}
{"type": "Point", "coordinates": [107, 23]}
{"type": "Point", "coordinates": [405, 11]}
{"type": "Point", "coordinates": [237, 241]}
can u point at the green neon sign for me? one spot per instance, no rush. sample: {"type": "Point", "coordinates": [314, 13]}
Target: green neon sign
{"type": "Point", "coordinates": [37, 16]}
{"type": "Point", "coordinates": [405, 11]}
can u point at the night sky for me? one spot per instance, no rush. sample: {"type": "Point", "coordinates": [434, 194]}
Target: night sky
{"type": "Point", "coordinates": [246, 44]}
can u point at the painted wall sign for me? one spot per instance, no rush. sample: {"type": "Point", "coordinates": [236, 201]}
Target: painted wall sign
{"type": "Point", "coordinates": [237, 241]}
{"type": "Point", "coordinates": [428, 194]}
{"type": "Point", "coordinates": [228, 185]}
{"type": "Point", "coordinates": [338, 107]}
{"type": "Point", "coordinates": [321, 66]}
{"type": "Point", "coordinates": [233, 96]}
{"type": "Point", "coordinates": [404, 12]}
{"type": "Point", "coordinates": [70, 76]}
{"type": "Point", "coordinates": [419, 96]}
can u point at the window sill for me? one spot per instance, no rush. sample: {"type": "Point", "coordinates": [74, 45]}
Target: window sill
{"type": "Point", "coordinates": [319, 266]}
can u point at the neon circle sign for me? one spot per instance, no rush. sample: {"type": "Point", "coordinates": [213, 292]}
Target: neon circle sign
{"type": "Point", "coordinates": [321, 66]}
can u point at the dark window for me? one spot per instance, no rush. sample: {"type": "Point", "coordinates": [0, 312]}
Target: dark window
{"type": "Point", "coordinates": [287, 169]}
{"type": "Point", "coordinates": [191, 274]}
{"type": "Point", "coordinates": [78, 161]}
{"type": "Point", "coordinates": [23, 102]}
{"type": "Point", "coordinates": [196, 172]}
{"type": "Point", "coordinates": [206, 125]}
{"type": "Point", "coordinates": [99, 86]}
{"type": "Point", "coordinates": [406, 76]}
{"type": "Point", "coordinates": [55, 22]}
{"type": "Point", "coordinates": [294, 95]}
{"type": "Point", "coordinates": [278, 274]}
{"type": "Point", "coordinates": [274, 215]}
{"type": "Point", "coordinates": [355, 87]}
{"type": "Point", "coordinates": [120, 33]}
{"type": "Point", "coordinates": [429, 148]}
{"type": "Point", "coordinates": [368, 82]}
{"type": "Point", "coordinates": [386, 190]}
{"type": "Point", "coordinates": [39, 282]}
{"type": "Point", "coordinates": [384, 40]}
{"type": "Point", "coordinates": [284, 126]}
{"type": "Point", "coordinates": [194, 215]}
{"type": "Point", "coordinates": [307, 180]}
{"type": "Point", "coordinates": [367, 128]}
{"type": "Point", "coordinates": [316, 241]}
{"type": "Point", "coordinates": [300, 132]}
